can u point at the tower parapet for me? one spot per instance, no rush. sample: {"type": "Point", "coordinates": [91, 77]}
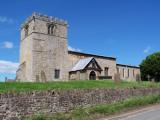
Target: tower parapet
{"type": "Point", "coordinates": [46, 18]}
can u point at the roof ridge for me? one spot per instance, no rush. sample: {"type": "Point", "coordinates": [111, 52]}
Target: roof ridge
{"type": "Point", "coordinates": [88, 54]}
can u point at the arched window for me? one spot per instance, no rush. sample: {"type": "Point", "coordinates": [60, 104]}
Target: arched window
{"type": "Point", "coordinates": [51, 29]}
{"type": "Point", "coordinates": [26, 30]}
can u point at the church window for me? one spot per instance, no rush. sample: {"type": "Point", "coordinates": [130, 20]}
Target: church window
{"type": "Point", "coordinates": [26, 30]}
{"type": "Point", "coordinates": [128, 72]}
{"type": "Point", "coordinates": [118, 70]}
{"type": "Point", "coordinates": [51, 29]}
{"type": "Point", "coordinates": [106, 71]}
{"type": "Point", "coordinates": [57, 74]}
{"type": "Point", "coordinates": [93, 65]}
{"type": "Point", "coordinates": [133, 73]}
{"type": "Point", "coordinates": [123, 72]}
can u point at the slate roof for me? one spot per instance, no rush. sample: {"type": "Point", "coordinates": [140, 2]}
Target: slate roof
{"type": "Point", "coordinates": [82, 63]}
{"type": "Point", "coordinates": [90, 55]}
{"type": "Point", "coordinates": [131, 66]}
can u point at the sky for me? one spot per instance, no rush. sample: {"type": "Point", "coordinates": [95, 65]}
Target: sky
{"type": "Point", "coordinates": [126, 29]}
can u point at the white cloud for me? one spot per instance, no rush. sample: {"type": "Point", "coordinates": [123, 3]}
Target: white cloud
{"type": "Point", "coordinates": [8, 45]}
{"type": "Point", "coordinates": [74, 49]}
{"type": "Point", "coordinates": [8, 67]}
{"type": "Point", "coordinates": [5, 20]}
{"type": "Point", "coordinates": [147, 49]}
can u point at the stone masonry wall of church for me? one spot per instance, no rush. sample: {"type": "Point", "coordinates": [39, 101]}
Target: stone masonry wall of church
{"type": "Point", "coordinates": [134, 73]}
{"type": "Point", "coordinates": [111, 64]}
{"type": "Point", "coordinates": [45, 52]}
{"type": "Point", "coordinates": [50, 51]}
{"type": "Point", "coordinates": [26, 46]}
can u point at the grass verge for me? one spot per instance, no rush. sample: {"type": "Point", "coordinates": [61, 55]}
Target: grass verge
{"type": "Point", "coordinates": [21, 87]}
{"type": "Point", "coordinates": [97, 111]}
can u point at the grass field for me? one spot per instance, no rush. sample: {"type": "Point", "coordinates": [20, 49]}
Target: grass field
{"type": "Point", "coordinates": [5, 87]}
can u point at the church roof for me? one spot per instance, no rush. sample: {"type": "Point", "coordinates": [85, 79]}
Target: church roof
{"type": "Point", "coordinates": [90, 55]}
{"type": "Point", "coordinates": [131, 66]}
{"type": "Point", "coordinates": [82, 63]}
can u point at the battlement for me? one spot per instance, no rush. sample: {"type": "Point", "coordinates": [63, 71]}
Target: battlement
{"type": "Point", "coordinates": [44, 18]}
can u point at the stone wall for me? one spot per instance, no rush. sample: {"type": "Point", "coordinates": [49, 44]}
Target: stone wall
{"type": "Point", "coordinates": [17, 106]}
{"type": "Point", "coordinates": [43, 49]}
{"type": "Point", "coordinates": [103, 62]}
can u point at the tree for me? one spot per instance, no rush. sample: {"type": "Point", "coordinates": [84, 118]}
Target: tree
{"type": "Point", "coordinates": [150, 67]}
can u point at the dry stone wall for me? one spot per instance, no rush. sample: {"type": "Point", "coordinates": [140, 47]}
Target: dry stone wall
{"type": "Point", "coordinates": [18, 106]}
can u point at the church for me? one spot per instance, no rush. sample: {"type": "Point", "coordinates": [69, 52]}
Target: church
{"type": "Point", "coordinates": [44, 56]}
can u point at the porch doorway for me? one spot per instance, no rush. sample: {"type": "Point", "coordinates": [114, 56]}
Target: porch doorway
{"type": "Point", "coordinates": [92, 75]}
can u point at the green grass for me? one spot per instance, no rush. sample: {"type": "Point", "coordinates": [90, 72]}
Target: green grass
{"type": "Point", "coordinates": [21, 87]}
{"type": "Point", "coordinates": [95, 112]}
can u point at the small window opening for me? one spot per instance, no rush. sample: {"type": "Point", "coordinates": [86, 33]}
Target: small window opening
{"type": "Point", "coordinates": [51, 29]}
{"type": "Point", "coordinates": [118, 70]}
{"type": "Point", "coordinates": [26, 30]}
{"type": "Point", "coordinates": [93, 65]}
{"type": "Point", "coordinates": [57, 74]}
{"type": "Point", "coordinates": [106, 71]}
{"type": "Point", "coordinates": [133, 73]}
{"type": "Point", "coordinates": [123, 72]}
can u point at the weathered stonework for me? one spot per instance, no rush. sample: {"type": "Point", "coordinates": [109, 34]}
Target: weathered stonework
{"type": "Point", "coordinates": [43, 52]}
{"type": "Point", "coordinates": [18, 106]}
{"type": "Point", "coordinates": [103, 62]}
{"type": "Point", "coordinates": [129, 73]}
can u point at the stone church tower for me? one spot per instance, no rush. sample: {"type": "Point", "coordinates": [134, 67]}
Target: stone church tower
{"type": "Point", "coordinates": [43, 49]}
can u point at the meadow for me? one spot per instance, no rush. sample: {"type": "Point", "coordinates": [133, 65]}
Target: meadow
{"type": "Point", "coordinates": [22, 87]}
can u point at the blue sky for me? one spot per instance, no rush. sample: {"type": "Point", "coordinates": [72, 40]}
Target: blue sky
{"type": "Point", "coordinates": [126, 29]}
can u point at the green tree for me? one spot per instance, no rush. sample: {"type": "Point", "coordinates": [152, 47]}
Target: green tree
{"type": "Point", "coordinates": [150, 67]}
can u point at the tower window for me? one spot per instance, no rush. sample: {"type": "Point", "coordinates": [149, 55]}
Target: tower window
{"type": "Point", "coordinates": [128, 72]}
{"type": "Point", "coordinates": [51, 29]}
{"type": "Point", "coordinates": [57, 74]}
{"type": "Point", "coordinates": [26, 30]}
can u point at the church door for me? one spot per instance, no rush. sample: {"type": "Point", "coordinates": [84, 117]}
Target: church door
{"type": "Point", "coordinates": [92, 75]}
